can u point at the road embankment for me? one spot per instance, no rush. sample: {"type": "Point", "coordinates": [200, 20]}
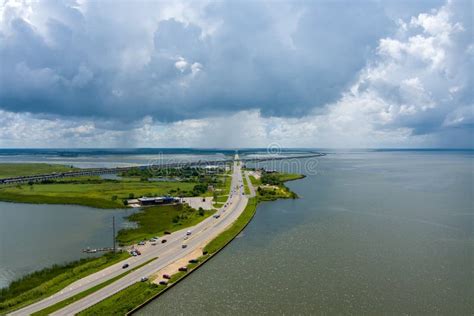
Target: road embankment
{"type": "Point", "coordinates": [140, 294]}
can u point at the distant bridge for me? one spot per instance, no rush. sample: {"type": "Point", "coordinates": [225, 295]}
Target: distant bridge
{"type": "Point", "coordinates": [101, 171]}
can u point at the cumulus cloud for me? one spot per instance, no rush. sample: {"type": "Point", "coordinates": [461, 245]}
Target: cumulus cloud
{"type": "Point", "coordinates": [228, 74]}
{"type": "Point", "coordinates": [281, 58]}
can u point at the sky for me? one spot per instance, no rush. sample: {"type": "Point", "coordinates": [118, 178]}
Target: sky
{"type": "Point", "coordinates": [316, 74]}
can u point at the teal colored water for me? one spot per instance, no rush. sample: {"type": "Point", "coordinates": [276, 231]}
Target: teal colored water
{"type": "Point", "coordinates": [373, 233]}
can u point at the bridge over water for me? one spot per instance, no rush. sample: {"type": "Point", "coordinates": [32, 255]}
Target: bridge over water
{"type": "Point", "coordinates": [101, 171]}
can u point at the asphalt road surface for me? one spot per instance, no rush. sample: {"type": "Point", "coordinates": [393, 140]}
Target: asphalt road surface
{"type": "Point", "coordinates": [167, 253]}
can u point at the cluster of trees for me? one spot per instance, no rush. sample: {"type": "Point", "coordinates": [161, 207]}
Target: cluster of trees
{"type": "Point", "coordinates": [266, 191]}
{"type": "Point", "coordinates": [199, 189]}
{"type": "Point", "coordinates": [270, 179]}
{"type": "Point", "coordinates": [184, 214]}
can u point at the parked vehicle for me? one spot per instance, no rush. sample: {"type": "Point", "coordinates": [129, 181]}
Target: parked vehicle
{"type": "Point", "coordinates": [163, 282]}
{"type": "Point", "coordinates": [167, 233]}
{"type": "Point", "coordinates": [193, 261]}
{"type": "Point", "coordinates": [166, 276]}
{"type": "Point", "coordinates": [144, 279]}
{"type": "Point", "coordinates": [183, 269]}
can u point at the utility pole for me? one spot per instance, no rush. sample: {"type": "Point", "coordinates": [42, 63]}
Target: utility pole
{"type": "Point", "coordinates": [113, 232]}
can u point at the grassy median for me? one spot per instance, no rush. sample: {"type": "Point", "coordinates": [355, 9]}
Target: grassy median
{"type": "Point", "coordinates": [51, 309]}
{"type": "Point", "coordinates": [246, 186]}
{"type": "Point", "coordinates": [129, 298]}
{"type": "Point", "coordinates": [40, 284]}
{"type": "Point", "coordinates": [125, 300]}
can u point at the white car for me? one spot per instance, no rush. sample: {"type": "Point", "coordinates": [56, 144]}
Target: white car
{"type": "Point", "coordinates": [188, 232]}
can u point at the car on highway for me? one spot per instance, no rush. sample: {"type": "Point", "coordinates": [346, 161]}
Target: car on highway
{"type": "Point", "coordinates": [167, 233]}
{"type": "Point", "coordinates": [153, 243]}
{"type": "Point", "coordinates": [144, 279]}
{"type": "Point", "coordinates": [163, 241]}
{"type": "Point", "coordinates": [216, 216]}
{"type": "Point", "coordinates": [188, 232]}
{"type": "Point", "coordinates": [186, 237]}
{"type": "Point", "coordinates": [125, 266]}
{"type": "Point", "coordinates": [142, 243]}
{"type": "Point", "coordinates": [184, 246]}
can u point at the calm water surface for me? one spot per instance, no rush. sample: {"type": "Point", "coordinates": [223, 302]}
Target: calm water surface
{"type": "Point", "coordinates": [373, 232]}
{"type": "Point", "coordinates": [36, 236]}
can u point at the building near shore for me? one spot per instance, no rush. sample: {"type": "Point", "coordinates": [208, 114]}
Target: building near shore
{"type": "Point", "coordinates": [147, 201]}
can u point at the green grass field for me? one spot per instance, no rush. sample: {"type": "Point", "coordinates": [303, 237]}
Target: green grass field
{"type": "Point", "coordinates": [27, 169]}
{"type": "Point", "coordinates": [246, 186]}
{"type": "Point", "coordinates": [223, 187]}
{"type": "Point", "coordinates": [256, 182]}
{"type": "Point", "coordinates": [285, 177]}
{"type": "Point", "coordinates": [154, 221]}
{"type": "Point", "coordinates": [103, 194]}
{"type": "Point", "coordinates": [43, 283]}
{"type": "Point", "coordinates": [271, 187]}
{"type": "Point", "coordinates": [125, 300]}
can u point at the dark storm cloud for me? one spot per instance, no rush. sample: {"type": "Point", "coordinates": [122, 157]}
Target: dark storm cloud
{"type": "Point", "coordinates": [127, 60]}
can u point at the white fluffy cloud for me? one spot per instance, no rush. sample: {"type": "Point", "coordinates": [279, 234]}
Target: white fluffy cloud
{"type": "Point", "coordinates": [415, 91]}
